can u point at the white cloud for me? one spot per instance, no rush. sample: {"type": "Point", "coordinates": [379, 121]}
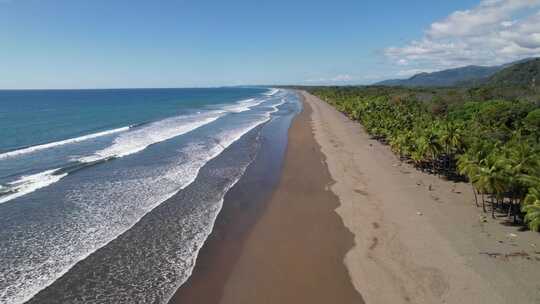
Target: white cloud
{"type": "Point", "coordinates": [495, 31]}
{"type": "Point", "coordinates": [411, 72]}
{"type": "Point", "coordinates": [478, 20]}
{"type": "Point", "coordinates": [402, 62]}
{"type": "Point", "coordinates": [508, 23]}
{"type": "Point", "coordinates": [341, 78]}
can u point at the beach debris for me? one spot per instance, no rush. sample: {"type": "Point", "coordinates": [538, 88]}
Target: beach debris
{"type": "Point", "coordinates": [455, 191]}
{"type": "Point", "coordinates": [511, 235]}
{"type": "Point", "coordinates": [492, 254]}
{"type": "Point", "coordinates": [430, 188]}
{"type": "Point", "coordinates": [507, 256]}
{"type": "Point", "coordinates": [362, 192]}
{"type": "Point", "coordinates": [374, 243]}
{"type": "Point", "coordinates": [483, 218]}
{"type": "Point", "coordinates": [419, 213]}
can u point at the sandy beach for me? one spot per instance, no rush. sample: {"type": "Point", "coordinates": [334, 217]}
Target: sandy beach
{"type": "Point", "coordinates": [293, 253]}
{"type": "Point", "coordinates": [419, 238]}
{"type": "Point", "coordinates": [349, 223]}
{"type": "Point", "coordinates": [270, 152]}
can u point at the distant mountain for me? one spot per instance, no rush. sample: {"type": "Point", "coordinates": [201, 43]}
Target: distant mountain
{"type": "Point", "coordinates": [464, 76]}
{"type": "Point", "coordinates": [526, 73]}
{"type": "Point", "coordinates": [445, 78]}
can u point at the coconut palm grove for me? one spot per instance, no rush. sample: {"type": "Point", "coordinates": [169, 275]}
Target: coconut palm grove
{"type": "Point", "coordinates": [488, 135]}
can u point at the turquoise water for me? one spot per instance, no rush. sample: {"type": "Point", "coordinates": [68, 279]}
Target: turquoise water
{"type": "Point", "coordinates": [101, 184]}
{"type": "Point", "coordinates": [32, 117]}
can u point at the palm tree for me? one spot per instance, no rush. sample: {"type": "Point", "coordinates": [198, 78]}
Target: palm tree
{"type": "Point", "coordinates": [523, 161]}
{"type": "Point", "coordinates": [401, 143]}
{"type": "Point", "coordinates": [451, 140]}
{"type": "Point", "coordinates": [490, 178]}
{"type": "Point", "coordinates": [531, 206]}
{"type": "Point", "coordinates": [468, 166]}
{"type": "Point", "coordinates": [429, 142]}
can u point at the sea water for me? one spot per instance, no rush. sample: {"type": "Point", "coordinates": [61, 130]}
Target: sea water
{"type": "Point", "coordinates": [106, 196]}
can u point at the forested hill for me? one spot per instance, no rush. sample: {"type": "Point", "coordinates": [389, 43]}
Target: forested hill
{"type": "Point", "coordinates": [445, 78]}
{"type": "Point", "coordinates": [515, 73]}
{"type": "Point", "coordinates": [524, 74]}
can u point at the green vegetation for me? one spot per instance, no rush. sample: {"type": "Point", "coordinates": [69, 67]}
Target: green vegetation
{"type": "Point", "coordinates": [523, 74]}
{"type": "Point", "coordinates": [458, 133]}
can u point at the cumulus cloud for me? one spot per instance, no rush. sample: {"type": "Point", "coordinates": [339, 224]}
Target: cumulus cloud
{"type": "Point", "coordinates": [495, 31]}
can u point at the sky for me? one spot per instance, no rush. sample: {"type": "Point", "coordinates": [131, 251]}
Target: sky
{"type": "Point", "coordinates": [197, 43]}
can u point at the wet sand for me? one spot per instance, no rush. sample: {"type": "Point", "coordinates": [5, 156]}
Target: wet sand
{"type": "Point", "coordinates": [294, 254]}
{"type": "Point", "coordinates": [242, 207]}
{"type": "Point", "coordinates": [289, 248]}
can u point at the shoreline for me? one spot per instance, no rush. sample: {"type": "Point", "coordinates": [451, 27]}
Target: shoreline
{"type": "Point", "coordinates": [242, 207]}
{"type": "Point", "coordinates": [349, 222]}
{"type": "Point", "coordinates": [294, 253]}
{"type": "Point", "coordinates": [285, 251]}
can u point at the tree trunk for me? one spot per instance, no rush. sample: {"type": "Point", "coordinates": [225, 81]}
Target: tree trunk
{"type": "Point", "coordinates": [511, 208]}
{"type": "Point", "coordinates": [493, 207]}
{"type": "Point", "coordinates": [475, 196]}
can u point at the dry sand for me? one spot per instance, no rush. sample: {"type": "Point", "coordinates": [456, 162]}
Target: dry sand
{"type": "Point", "coordinates": [419, 238]}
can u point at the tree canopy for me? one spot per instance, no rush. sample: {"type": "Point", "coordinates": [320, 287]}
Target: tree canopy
{"type": "Point", "coordinates": [492, 143]}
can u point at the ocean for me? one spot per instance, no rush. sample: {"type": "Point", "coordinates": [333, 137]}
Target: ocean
{"type": "Point", "coordinates": [107, 196]}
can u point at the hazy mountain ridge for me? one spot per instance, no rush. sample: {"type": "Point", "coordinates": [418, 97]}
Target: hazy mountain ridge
{"type": "Point", "coordinates": [519, 74]}
{"type": "Point", "coordinates": [469, 75]}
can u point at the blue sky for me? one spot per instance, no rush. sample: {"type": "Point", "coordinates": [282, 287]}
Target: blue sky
{"type": "Point", "coordinates": [107, 44]}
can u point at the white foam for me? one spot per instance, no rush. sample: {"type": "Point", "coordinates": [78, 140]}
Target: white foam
{"type": "Point", "coordinates": [128, 143]}
{"type": "Point", "coordinates": [101, 219]}
{"type": "Point", "coordinates": [200, 240]}
{"type": "Point", "coordinates": [60, 143]}
{"type": "Point", "coordinates": [272, 92]}
{"type": "Point", "coordinates": [242, 106]}
{"type": "Point", "coordinates": [30, 183]}
{"type": "Point", "coordinates": [139, 139]}
{"type": "Point", "coordinates": [277, 105]}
